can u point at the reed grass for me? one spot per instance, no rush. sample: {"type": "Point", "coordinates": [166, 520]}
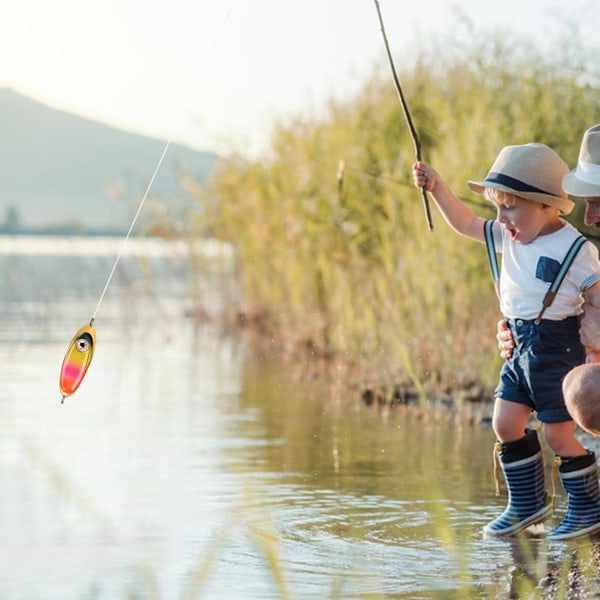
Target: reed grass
{"type": "Point", "coordinates": [352, 268]}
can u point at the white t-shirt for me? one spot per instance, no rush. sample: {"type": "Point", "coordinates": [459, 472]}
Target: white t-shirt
{"type": "Point", "coordinates": [529, 269]}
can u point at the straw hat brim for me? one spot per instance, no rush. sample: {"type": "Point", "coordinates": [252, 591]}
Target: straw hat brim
{"type": "Point", "coordinates": [564, 205]}
{"type": "Point", "coordinates": [576, 187]}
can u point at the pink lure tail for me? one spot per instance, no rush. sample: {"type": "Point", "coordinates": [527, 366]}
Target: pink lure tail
{"type": "Point", "coordinates": [77, 360]}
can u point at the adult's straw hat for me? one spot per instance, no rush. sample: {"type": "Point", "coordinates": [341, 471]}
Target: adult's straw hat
{"type": "Point", "coordinates": [531, 171]}
{"type": "Point", "coordinates": [585, 179]}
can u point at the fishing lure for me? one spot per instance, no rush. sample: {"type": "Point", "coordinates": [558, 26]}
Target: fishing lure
{"type": "Point", "coordinates": [77, 360]}
{"type": "Point", "coordinates": [80, 352]}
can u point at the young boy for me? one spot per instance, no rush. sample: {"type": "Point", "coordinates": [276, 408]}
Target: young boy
{"type": "Point", "coordinates": [582, 182]}
{"type": "Point", "coordinates": [524, 184]}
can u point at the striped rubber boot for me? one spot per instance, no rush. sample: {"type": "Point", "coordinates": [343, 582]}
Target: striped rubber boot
{"type": "Point", "coordinates": [580, 480]}
{"type": "Point", "coordinates": [523, 467]}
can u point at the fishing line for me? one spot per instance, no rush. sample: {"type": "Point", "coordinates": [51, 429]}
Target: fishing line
{"type": "Point", "coordinates": [381, 177]}
{"type": "Point", "coordinates": [80, 351]}
{"type": "Point", "coordinates": [395, 181]}
{"type": "Point", "coordinates": [137, 214]}
{"type": "Point", "coordinates": [141, 205]}
{"type": "Point", "coordinates": [213, 43]}
{"type": "Point", "coordinates": [81, 348]}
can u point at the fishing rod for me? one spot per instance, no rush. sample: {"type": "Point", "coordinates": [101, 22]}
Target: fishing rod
{"type": "Point", "coordinates": [406, 112]}
{"type": "Point", "coordinates": [80, 351]}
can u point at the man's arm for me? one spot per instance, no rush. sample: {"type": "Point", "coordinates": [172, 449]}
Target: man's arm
{"type": "Point", "coordinates": [589, 332]}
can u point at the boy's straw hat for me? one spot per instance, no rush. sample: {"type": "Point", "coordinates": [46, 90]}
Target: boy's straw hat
{"type": "Point", "coordinates": [581, 390]}
{"type": "Point", "coordinates": [585, 179]}
{"type": "Point", "coordinates": [531, 171]}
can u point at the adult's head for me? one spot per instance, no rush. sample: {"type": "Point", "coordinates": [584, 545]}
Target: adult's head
{"type": "Point", "coordinates": [581, 390]}
{"type": "Point", "coordinates": [584, 180]}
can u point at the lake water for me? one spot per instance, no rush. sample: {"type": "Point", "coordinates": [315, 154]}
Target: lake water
{"type": "Point", "coordinates": [185, 466]}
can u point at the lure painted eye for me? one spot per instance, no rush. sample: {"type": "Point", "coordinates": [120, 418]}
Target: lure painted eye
{"type": "Point", "coordinates": [82, 344]}
{"type": "Point", "coordinates": [77, 360]}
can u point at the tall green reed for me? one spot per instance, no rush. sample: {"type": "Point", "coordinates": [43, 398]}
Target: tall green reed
{"type": "Point", "coordinates": [355, 271]}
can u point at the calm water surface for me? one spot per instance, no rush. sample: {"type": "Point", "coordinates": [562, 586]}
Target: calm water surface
{"type": "Point", "coordinates": [186, 467]}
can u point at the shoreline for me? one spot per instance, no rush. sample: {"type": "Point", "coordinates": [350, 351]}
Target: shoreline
{"type": "Point", "coordinates": [470, 405]}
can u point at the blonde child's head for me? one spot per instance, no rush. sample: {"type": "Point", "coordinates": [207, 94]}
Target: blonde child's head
{"type": "Point", "coordinates": [532, 172]}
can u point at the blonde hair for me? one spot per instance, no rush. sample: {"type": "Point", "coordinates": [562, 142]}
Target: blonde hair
{"type": "Point", "coordinates": [500, 197]}
{"type": "Point", "coordinates": [508, 199]}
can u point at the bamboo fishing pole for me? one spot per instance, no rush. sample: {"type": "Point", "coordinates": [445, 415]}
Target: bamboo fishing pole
{"type": "Point", "coordinates": [407, 117]}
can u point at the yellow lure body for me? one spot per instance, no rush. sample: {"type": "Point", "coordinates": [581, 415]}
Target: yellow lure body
{"type": "Point", "coordinates": [77, 360]}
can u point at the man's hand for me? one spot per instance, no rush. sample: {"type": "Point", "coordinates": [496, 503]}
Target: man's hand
{"type": "Point", "coordinates": [592, 357]}
{"type": "Point", "coordinates": [589, 332]}
{"type": "Point", "coordinates": [505, 339]}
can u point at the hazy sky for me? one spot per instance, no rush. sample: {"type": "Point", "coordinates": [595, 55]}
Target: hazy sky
{"type": "Point", "coordinates": [215, 73]}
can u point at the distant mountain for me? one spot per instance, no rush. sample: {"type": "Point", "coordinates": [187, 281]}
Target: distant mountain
{"type": "Point", "coordinates": [62, 172]}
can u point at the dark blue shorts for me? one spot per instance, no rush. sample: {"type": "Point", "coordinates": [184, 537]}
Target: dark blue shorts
{"type": "Point", "coordinates": [542, 356]}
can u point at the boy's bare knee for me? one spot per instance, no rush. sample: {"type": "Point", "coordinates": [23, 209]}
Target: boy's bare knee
{"type": "Point", "coordinates": [506, 431]}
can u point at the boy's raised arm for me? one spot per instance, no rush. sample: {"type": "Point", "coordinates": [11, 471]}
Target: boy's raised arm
{"type": "Point", "coordinates": [456, 213]}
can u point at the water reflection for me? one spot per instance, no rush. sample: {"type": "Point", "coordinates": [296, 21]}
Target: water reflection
{"type": "Point", "coordinates": [185, 466]}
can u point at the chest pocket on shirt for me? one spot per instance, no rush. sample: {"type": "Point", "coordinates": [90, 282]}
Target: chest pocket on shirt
{"type": "Point", "coordinates": [546, 269]}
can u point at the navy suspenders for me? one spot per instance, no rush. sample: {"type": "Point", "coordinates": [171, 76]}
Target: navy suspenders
{"type": "Point", "coordinates": [491, 252]}
{"type": "Point", "coordinates": [558, 278]}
